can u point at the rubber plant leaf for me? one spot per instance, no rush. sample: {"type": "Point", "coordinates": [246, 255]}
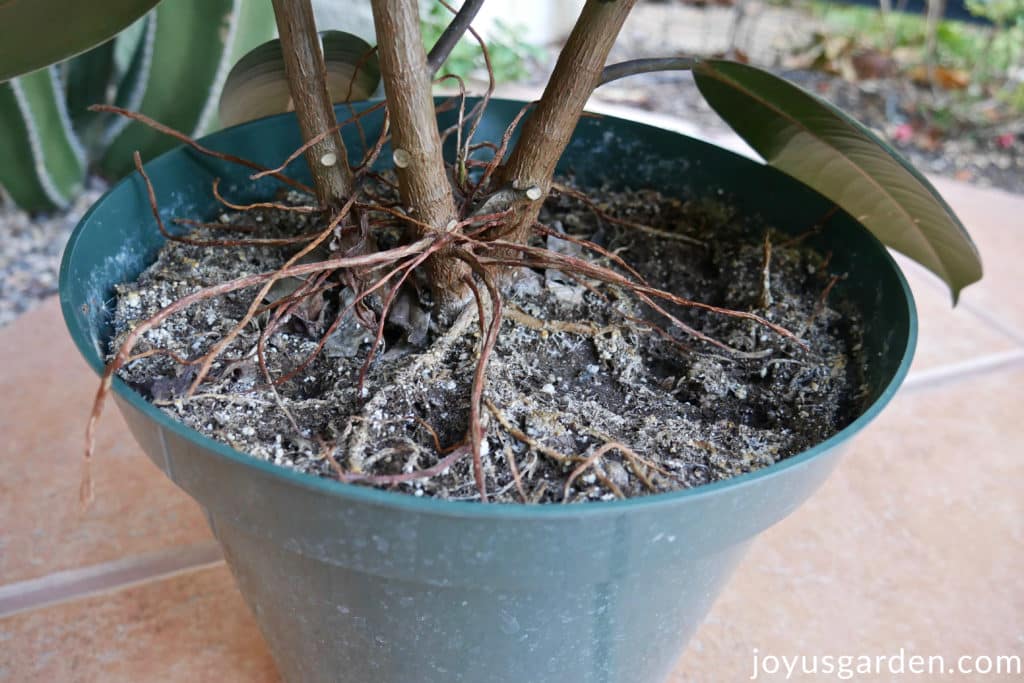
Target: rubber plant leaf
{"type": "Point", "coordinates": [37, 33]}
{"type": "Point", "coordinates": [257, 85]}
{"type": "Point", "coordinates": [827, 150]}
{"type": "Point", "coordinates": [179, 68]}
{"type": "Point", "coordinates": [44, 164]}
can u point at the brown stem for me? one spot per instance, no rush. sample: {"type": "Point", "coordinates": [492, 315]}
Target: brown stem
{"type": "Point", "coordinates": [547, 131]}
{"type": "Point", "coordinates": [307, 82]}
{"type": "Point", "coordinates": [451, 36]}
{"type": "Point", "coordinates": [422, 178]}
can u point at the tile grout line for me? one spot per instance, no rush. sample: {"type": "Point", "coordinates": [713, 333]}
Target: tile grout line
{"type": "Point", "coordinates": [965, 370]}
{"type": "Point", "coordinates": [983, 315]}
{"type": "Point", "coordinates": [994, 322]}
{"type": "Point", "coordinates": [75, 584]}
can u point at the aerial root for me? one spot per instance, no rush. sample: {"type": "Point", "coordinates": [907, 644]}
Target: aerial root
{"type": "Point", "coordinates": [191, 142]}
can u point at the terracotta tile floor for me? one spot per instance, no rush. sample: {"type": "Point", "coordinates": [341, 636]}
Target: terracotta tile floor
{"type": "Point", "coordinates": [917, 542]}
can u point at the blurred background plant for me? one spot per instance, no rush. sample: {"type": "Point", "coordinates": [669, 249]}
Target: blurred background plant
{"type": "Point", "coordinates": [511, 55]}
{"type": "Point", "coordinates": [984, 58]}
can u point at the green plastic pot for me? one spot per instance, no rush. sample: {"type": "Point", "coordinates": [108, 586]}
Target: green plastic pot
{"type": "Point", "coordinates": [359, 585]}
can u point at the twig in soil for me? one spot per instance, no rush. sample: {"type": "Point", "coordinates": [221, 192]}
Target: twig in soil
{"type": "Point", "coordinates": [766, 280]}
{"type": "Point", "coordinates": [589, 462]}
{"type": "Point", "coordinates": [814, 230]}
{"type": "Point", "coordinates": [510, 458]}
{"type": "Point", "coordinates": [430, 430]}
{"type": "Point", "coordinates": [524, 438]}
{"type": "Point", "coordinates": [390, 479]}
{"type": "Point", "coordinates": [181, 137]}
{"type": "Point", "coordinates": [538, 493]}
{"type": "Point", "coordinates": [822, 299]}
{"type": "Point", "coordinates": [327, 449]}
{"type": "Point", "coordinates": [520, 316]}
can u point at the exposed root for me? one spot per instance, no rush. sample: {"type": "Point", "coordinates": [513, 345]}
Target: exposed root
{"type": "Point", "coordinates": [185, 139]}
{"type": "Point", "coordinates": [766, 275]}
{"type": "Point", "coordinates": [548, 326]}
{"type": "Point", "coordinates": [587, 463]}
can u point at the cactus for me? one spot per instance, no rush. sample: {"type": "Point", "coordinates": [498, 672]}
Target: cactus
{"type": "Point", "coordinates": [44, 163]}
{"type": "Point", "coordinates": [187, 52]}
{"type": "Point", "coordinates": [170, 65]}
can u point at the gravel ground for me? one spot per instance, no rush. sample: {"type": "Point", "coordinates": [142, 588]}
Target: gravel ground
{"type": "Point", "coordinates": [30, 252]}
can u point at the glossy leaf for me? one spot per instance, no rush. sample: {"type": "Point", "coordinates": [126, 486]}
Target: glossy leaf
{"type": "Point", "coordinates": [37, 33]}
{"type": "Point", "coordinates": [44, 165]}
{"type": "Point", "coordinates": [816, 143]}
{"type": "Point", "coordinates": [183, 59]}
{"type": "Point", "coordinates": [257, 85]}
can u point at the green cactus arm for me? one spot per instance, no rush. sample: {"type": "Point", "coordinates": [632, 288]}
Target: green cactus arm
{"type": "Point", "coordinates": [88, 79]}
{"type": "Point", "coordinates": [46, 162]}
{"type": "Point", "coordinates": [191, 50]}
{"type": "Point", "coordinates": [133, 57]}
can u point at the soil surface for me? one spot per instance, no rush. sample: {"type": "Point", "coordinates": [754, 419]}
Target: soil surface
{"type": "Point", "coordinates": [588, 402]}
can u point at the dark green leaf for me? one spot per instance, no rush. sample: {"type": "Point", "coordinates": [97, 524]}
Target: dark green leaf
{"type": "Point", "coordinates": [816, 143]}
{"type": "Point", "coordinates": [37, 33]}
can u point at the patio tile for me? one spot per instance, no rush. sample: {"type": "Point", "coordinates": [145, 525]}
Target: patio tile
{"type": "Point", "coordinates": [193, 627]}
{"type": "Point", "coordinates": [47, 392]}
{"type": "Point", "coordinates": [949, 336]}
{"type": "Point", "coordinates": [995, 220]}
{"type": "Point", "coordinates": [917, 542]}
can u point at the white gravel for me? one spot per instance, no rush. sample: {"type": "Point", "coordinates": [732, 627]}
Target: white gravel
{"type": "Point", "coordinates": [30, 251]}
